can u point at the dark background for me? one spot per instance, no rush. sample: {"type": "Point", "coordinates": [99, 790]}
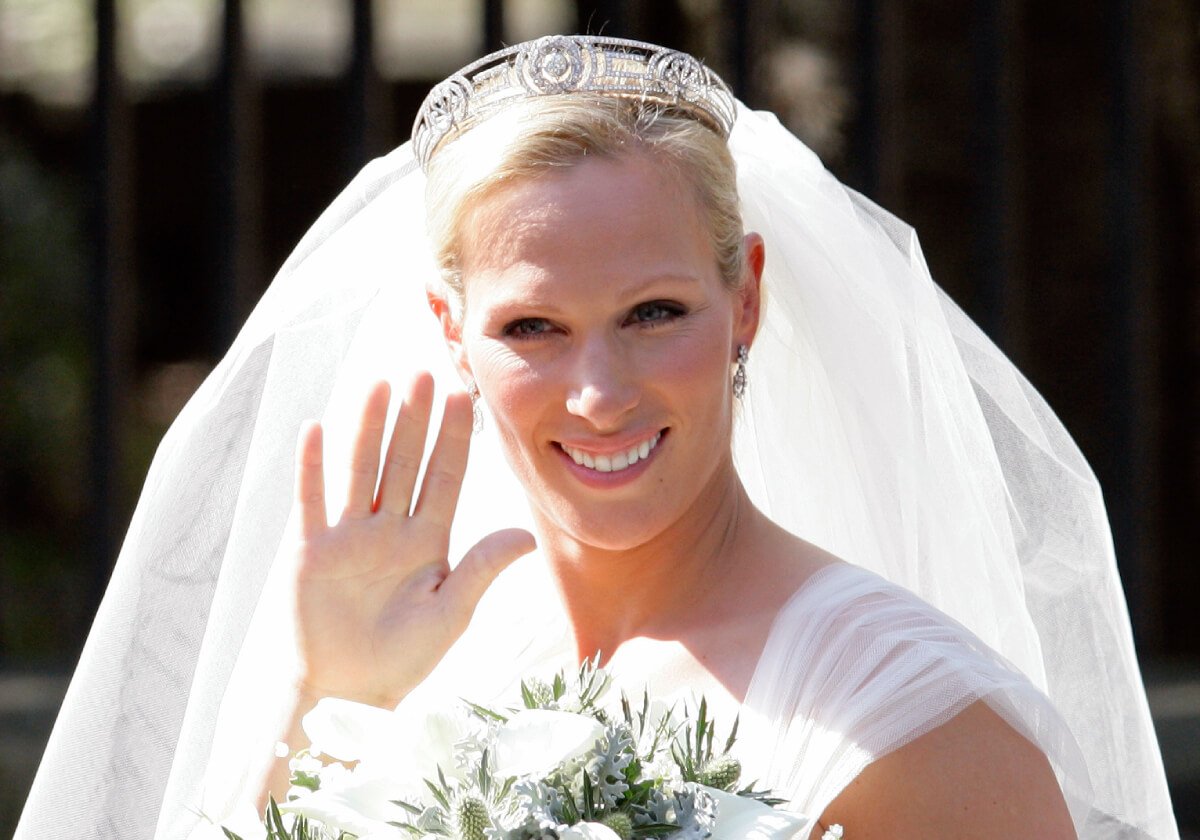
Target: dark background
{"type": "Point", "coordinates": [1047, 152]}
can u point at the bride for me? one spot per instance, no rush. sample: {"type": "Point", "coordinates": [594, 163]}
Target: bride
{"type": "Point", "coordinates": [690, 344]}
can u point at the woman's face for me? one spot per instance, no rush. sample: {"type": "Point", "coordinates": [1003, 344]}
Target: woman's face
{"type": "Point", "coordinates": [601, 335]}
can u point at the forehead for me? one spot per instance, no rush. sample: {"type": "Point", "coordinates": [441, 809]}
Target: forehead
{"type": "Point", "coordinates": [602, 221]}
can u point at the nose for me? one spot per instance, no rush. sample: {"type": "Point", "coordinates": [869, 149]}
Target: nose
{"type": "Point", "coordinates": [604, 384]}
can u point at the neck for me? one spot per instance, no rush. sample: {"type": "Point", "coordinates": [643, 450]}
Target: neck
{"type": "Point", "coordinates": [656, 589]}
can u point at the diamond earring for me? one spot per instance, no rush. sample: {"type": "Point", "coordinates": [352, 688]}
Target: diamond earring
{"type": "Point", "coordinates": [739, 375]}
{"type": "Point", "coordinates": [476, 409]}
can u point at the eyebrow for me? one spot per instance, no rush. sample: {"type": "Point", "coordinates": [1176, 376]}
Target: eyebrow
{"type": "Point", "coordinates": [548, 300]}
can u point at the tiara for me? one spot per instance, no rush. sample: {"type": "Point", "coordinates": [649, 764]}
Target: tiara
{"type": "Point", "coordinates": [560, 64]}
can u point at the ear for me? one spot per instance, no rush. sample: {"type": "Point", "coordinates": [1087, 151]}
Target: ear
{"type": "Point", "coordinates": [749, 294]}
{"type": "Point", "coordinates": [448, 313]}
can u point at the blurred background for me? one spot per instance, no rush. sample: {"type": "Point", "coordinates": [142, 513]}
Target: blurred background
{"type": "Point", "coordinates": [159, 159]}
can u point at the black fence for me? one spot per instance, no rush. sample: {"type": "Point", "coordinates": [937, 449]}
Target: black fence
{"type": "Point", "coordinates": [888, 52]}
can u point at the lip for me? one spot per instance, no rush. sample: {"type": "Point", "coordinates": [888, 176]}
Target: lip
{"type": "Point", "coordinates": [609, 447]}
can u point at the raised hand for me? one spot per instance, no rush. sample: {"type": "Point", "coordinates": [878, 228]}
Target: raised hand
{"type": "Point", "coordinates": [377, 605]}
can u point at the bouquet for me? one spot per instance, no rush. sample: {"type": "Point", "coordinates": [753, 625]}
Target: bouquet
{"type": "Point", "coordinates": [559, 766]}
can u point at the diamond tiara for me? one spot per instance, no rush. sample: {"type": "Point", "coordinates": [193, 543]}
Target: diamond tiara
{"type": "Point", "coordinates": [571, 64]}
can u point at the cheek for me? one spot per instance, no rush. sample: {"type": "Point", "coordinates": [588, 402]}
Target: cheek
{"type": "Point", "coordinates": [698, 363]}
{"type": "Point", "coordinates": [513, 388]}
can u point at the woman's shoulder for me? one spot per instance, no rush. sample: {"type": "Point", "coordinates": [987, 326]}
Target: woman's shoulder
{"type": "Point", "coordinates": [972, 776]}
{"type": "Point", "coordinates": [862, 680]}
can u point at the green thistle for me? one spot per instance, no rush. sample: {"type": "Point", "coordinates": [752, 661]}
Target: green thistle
{"type": "Point", "coordinates": [721, 772]}
{"type": "Point", "coordinates": [537, 694]}
{"type": "Point", "coordinates": [471, 818]}
{"type": "Point", "coordinates": [620, 823]}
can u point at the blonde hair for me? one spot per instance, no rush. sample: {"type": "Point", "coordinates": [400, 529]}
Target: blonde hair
{"type": "Point", "coordinates": [547, 133]}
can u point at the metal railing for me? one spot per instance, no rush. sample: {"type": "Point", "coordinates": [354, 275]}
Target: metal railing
{"type": "Point", "coordinates": [1000, 290]}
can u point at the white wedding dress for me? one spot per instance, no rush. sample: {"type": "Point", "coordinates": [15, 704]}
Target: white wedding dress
{"type": "Point", "coordinates": [853, 668]}
{"type": "Point", "coordinates": [880, 424]}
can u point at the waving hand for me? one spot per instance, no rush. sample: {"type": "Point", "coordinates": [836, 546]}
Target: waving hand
{"type": "Point", "coordinates": [377, 604]}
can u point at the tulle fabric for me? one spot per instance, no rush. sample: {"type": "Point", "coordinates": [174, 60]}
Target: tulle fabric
{"type": "Point", "coordinates": [880, 424]}
{"type": "Point", "coordinates": [856, 667]}
{"type": "Point", "coordinates": [900, 438]}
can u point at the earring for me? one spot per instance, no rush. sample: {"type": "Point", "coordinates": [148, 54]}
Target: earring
{"type": "Point", "coordinates": [476, 409]}
{"type": "Point", "coordinates": [739, 375]}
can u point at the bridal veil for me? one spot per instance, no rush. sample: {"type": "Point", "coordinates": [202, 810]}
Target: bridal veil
{"type": "Point", "coordinates": [880, 423]}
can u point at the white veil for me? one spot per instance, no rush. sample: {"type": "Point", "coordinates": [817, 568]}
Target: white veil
{"type": "Point", "coordinates": [880, 423]}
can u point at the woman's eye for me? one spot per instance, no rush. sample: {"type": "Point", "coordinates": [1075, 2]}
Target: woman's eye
{"type": "Point", "coordinates": [655, 311]}
{"type": "Point", "coordinates": [527, 328]}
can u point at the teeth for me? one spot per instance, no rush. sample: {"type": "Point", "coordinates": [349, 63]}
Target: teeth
{"type": "Point", "coordinates": [615, 462]}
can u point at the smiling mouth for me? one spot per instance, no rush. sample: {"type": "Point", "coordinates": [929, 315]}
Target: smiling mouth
{"type": "Point", "coordinates": [616, 461]}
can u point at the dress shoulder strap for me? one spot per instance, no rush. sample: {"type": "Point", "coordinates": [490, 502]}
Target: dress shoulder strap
{"type": "Point", "coordinates": [856, 667]}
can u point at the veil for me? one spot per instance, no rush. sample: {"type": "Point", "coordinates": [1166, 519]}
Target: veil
{"type": "Point", "coordinates": [879, 423]}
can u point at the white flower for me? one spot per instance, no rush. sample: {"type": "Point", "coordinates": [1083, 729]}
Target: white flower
{"type": "Point", "coordinates": [347, 731]}
{"type": "Point", "coordinates": [361, 807]}
{"type": "Point", "coordinates": [536, 742]}
{"type": "Point", "coordinates": [834, 833]}
{"type": "Point", "coordinates": [305, 763]}
{"type": "Point", "coordinates": [406, 746]}
{"type": "Point", "coordinates": [743, 818]}
{"type": "Point", "coordinates": [588, 831]}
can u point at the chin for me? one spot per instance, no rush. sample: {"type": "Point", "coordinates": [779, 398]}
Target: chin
{"type": "Point", "coordinates": [612, 531]}
{"type": "Point", "coordinates": [622, 524]}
